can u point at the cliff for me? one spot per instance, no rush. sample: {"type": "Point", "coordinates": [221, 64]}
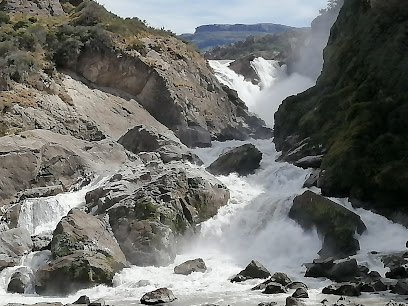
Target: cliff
{"type": "Point", "coordinates": [119, 56]}
{"type": "Point", "coordinates": [207, 37]}
{"type": "Point", "coordinates": [356, 115]}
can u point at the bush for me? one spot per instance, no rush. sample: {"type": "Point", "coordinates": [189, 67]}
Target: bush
{"type": "Point", "coordinates": [4, 18]}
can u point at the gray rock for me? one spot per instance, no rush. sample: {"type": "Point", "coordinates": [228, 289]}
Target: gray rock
{"type": "Point", "coordinates": [41, 242]}
{"type": "Point", "coordinates": [21, 281]}
{"type": "Point", "coordinates": [347, 289]}
{"type": "Point", "coordinates": [98, 302]}
{"type": "Point", "coordinates": [162, 295]}
{"type": "Point", "coordinates": [312, 180]}
{"type": "Point", "coordinates": [300, 293]}
{"type": "Point", "coordinates": [194, 136]}
{"type": "Point", "coordinates": [83, 299]}
{"type": "Point", "coordinates": [401, 287]}
{"type": "Point", "coordinates": [41, 7]}
{"type": "Point", "coordinates": [14, 244]}
{"type": "Point", "coordinates": [334, 222]}
{"type": "Point", "coordinates": [292, 301]}
{"type": "Point", "coordinates": [268, 304]}
{"type": "Point", "coordinates": [190, 266]}
{"type": "Point", "coordinates": [278, 277]}
{"type": "Point", "coordinates": [243, 160]}
{"type": "Point", "coordinates": [274, 288]}
{"type": "Point", "coordinates": [397, 273]}
{"type": "Point", "coordinates": [243, 67]}
{"type": "Point", "coordinates": [309, 162]}
{"type": "Point", "coordinates": [296, 285]}
{"type": "Point", "coordinates": [254, 270]}
{"type": "Point", "coordinates": [340, 271]}
{"type": "Point", "coordinates": [148, 139]}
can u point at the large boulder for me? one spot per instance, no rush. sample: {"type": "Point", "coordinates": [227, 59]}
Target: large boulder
{"type": "Point", "coordinates": [335, 224]}
{"type": "Point", "coordinates": [341, 271]}
{"type": "Point", "coordinates": [243, 160]}
{"type": "Point", "coordinates": [14, 243]}
{"type": "Point", "coordinates": [148, 139]}
{"type": "Point", "coordinates": [401, 287]}
{"type": "Point", "coordinates": [243, 66]}
{"type": "Point", "coordinates": [347, 289]}
{"type": "Point", "coordinates": [159, 296]}
{"type": "Point", "coordinates": [190, 266]}
{"type": "Point", "coordinates": [21, 281]}
{"type": "Point", "coordinates": [79, 270]}
{"type": "Point", "coordinates": [279, 278]}
{"type": "Point", "coordinates": [253, 270]}
{"type": "Point", "coordinates": [150, 206]}
{"type": "Point", "coordinates": [85, 253]}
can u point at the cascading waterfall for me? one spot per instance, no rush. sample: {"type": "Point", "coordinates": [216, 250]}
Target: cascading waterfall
{"type": "Point", "coordinates": [254, 225]}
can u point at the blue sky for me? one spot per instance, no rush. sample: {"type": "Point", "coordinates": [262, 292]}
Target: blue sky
{"type": "Point", "coordinates": [182, 16]}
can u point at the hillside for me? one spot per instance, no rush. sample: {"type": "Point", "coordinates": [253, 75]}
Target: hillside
{"type": "Point", "coordinates": [207, 37]}
{"type": "Point", "coordinates": [356, 115]}
{"type": "Point", "coordinates": [120, 56]}
{"type": "Point", "coordinates": [279, 46]}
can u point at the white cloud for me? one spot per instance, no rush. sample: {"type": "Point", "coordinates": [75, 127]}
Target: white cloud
{"type": "Point", "coordinates": [183, 16]}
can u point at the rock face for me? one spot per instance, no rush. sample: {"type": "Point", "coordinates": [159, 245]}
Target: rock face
{"type": "Point", "coordinates": [254, 270]}
{"type": "Point", "coordinates": [148, 139]}
{"type": "Point", "coordinates": [190, 266]}
{"type": "Point", "coordinates": [336, 224]}
{"type": "Point", "coordinates": [243, 160]}
{"type": "Point", "coordinates": [14, 243]}
{"type": "Point", "coordinates": [243, 67]}
{"type": "Point", "coordinates": [85, 253]}
{"type": "Point", "coordinates": [355, 115]}
{"type": "Point", "coordinates": [41, 7]}
{"type": "Point", "coordinates": [174, 85]}
{"type": "Point", "coordinates": [159, 296]}
{"type": "Point", "coordinates": [40, 158]}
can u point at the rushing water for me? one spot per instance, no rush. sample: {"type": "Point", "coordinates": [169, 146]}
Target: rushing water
{"type": "Point", "coordinates": [254, 225]}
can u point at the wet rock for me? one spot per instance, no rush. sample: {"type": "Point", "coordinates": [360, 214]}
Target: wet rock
{"type": "Point", "coordinates": [347, 289]}
{"type": "Point", "coordinates": [296, 285]}
{"type": "Point", "coordinates": [148, 139]}
{"type": "Point", "coordinates": [401, 287]}
{"type": "Point", "coordinates": [98, 302]}
{"type": "Point", "coordinates": [21, 281]}
{"type": "Point", "coordinates": [242, 66]}
{"type": "Point", "coordinates": [254, 270]}
{"type": "Point", "coordinates": [194, 136]}
{"type": "Point", "coordinates": [340, 271]}
{"type": "Point", "coordinates": [333, 222]}
{"type": "Point", "coordinates": [190, 266]}
{"type": "Point", "coordinates": [278, 277]}
{"type": "Point", "coordinates": [14, 244]}
{"type": "Point", "coordinates": [300, 293]}
{"type": "Point", "coordinates": [41, 192]}
{"type": "Point", "coordinates": [394, 261]}
{"type": "Point", "coordinates": [292, 301]}
{"type": "Point", "coordinates": [243, 160]}
{"type": "Point", "coordinates": [312, 180]}
{"type": "Point", "coordinates": [394, 303]}
{"type": "Point", "coordinates": [83, 299]}
{"type": "Point", "coordinates": [274, 288]}
{"type": "Point", "coordinates": [268, 304]}
{"type": "Point", "coordinates": [162, 295]}
{"type": "Point", "coordinates": [80, 270]}
{"type": "Point", "coordinates": [309, 162]}
{"type": "Point", "coordinates": [397, 273]}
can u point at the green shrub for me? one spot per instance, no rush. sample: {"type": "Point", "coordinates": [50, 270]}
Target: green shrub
{"type": "Point", "coordinates": [4, 18]}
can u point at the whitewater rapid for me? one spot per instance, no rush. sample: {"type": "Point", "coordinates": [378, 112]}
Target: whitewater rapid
{"type": "Point", "coordinates": [254, 225]}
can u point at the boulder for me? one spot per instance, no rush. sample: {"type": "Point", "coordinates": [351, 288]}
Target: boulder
{"type": "Point", "coordinates": [254, 270]}
{"type": "Point", "coordinates": [268, 304]}
{"type": "Point", "coordinates": [309, 161]}
{"type": "Point", "coordinates": [300, 293]}
{"type": "Point", "coordinates": [243, 67]}
{"type": "Point", "coordinates": [194, 136]}
{"type": "Point", "coordinates": [83, 299]}
{"type": "Point", "coordinates": [21, 281]}
{"type": "Point", "coordinates": [148, 139]}
{"type": "Point", "coordinates": [335, 223]}
{"type": "Point", "coordinates": [148, 216]}
{"type": "Point", "coordinates": [274, 288]}
{"type": "Point", "coordinates": [159, 296]}
{"type": "Point", "coordinates": [41, 242]}
{"type": "Point", "coordinates": [98, 302]}
{"type": "Point", "coordinates": [278, 277]}
{"type": "Point", "coordinates": [312, 180]}
{"type": "Point", "coordinates": [190, 266]}
{"type": "Point", "coordinates": [347, 289]}
{"type": "Point", "coordinates": [85, 253]}
{"type": "Point", "coordinates": [14, 243]}
{"type": "Point", "coordinates": [292, 301]}
{"type": "Point", "coordinates": [79, 270]}
{"type": "Point", "coordinates": [296, 285]}
{"type": "Point", "coordinates": [401, 287]}
{"type": "Point", "coordinates": [397, 273]}
{"type": "Point", "coordinates": [340, 271]}
{"type": "Point", "coordinates": [243, 160]}
{"type": "Point", "coordinates": [80, 231]}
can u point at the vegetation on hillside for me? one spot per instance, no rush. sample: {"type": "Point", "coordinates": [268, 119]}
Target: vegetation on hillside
{"type": "Point", "coordinates": [358, 110]}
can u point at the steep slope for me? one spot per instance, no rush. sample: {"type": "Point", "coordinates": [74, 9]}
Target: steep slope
{"type": "Point", "coordinates": [356, 115]}
{"type": "Point", "coordinates": [124, 57]}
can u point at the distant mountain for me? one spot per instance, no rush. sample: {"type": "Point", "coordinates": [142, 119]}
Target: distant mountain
{"type": "Point", "coordinates": [208, 36]}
